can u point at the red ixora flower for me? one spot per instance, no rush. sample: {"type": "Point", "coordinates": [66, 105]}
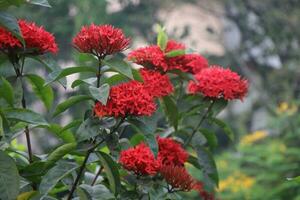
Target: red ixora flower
{"type": "Point", "coordinates": [156, 84]}
{"type": "Point", "coordinates": [140, 160]}
{"type": "Point", "coordinates": [177, 177]}
{"type": "Point", "coordinates": [153, 57]}
{"type": "Point", "coordinates": [37, 40]}
{"type": "Point", "coordinates": [218, 82]}
{"type": "Point", "coordinates": [129, 98]}
{"type": "Point", "coordinates": [100, 40]}
{"type": "Point", "coordinates": [171, 152]}
{"type": "Point", "coordinates": [198, 186]}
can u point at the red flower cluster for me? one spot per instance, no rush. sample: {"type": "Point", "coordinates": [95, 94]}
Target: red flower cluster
{"type": "Point", "coordinates": [100, 40]}
{"type": "Point", "coordinates": [171, 152]}
{"type": "Point", "coordinates": [154, 58]}
{"type": "Point", "coordinates": [140, 160]}
{"type": "Point", "coordinates": [217, 82]}
{"type": "Point", "coordinates": [156, 84]}
{"type": "Point", "coordinates": [129, 98]}
{"type": "Point", "coordinates": [37, 40]}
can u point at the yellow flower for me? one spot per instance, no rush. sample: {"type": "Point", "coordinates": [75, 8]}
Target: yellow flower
{"type": "Point", "coordinates": [253, 137]}
{"type": "Point", "coordinates": [238, 182]}
{"type": "Point", "coordinates": [285, 108]}
{"type": "Point", "coordinates": [222, 164]}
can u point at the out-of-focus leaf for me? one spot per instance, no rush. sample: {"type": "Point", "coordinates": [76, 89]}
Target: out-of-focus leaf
{"type": "Point", "coordinates": [162, 38]}
{"type": "Point", "coordinates": [6, 91]}
{"type": "Point", "coordinates": [101, 94]}
{"type": "Point", "coordinates": [112, 172]}
{"type": "Point", "coordinates": [26, 195]}
{"type": "Point", "coordinates": [25, 115]}
{"type": "Point", "coordinates": [88, 81]}
{"type": "Point", "coordinates": [119, 65]}
{"type": "Point", "coordinates": [210, 137]}
{"type": "Point", "coordinates": [44, 3]}
{"type": "Point", "coordinates": [45, 93]}
{"type": "Point", "coordinates": [295, 179]}
{"type": "Point", "coordinates": [171, 111]}
{"type": "Point", "coordinates": [179, 52]}
{"type": "Point", "coordinates": [70, 102]}
{"type": "Point", "coordinates": [9, 178]}
{"type": "Point", "coordinates": [66, 135]}
{"type": "Point", "coordinates": [54, 175]}
{"type": "Point", "coordinates": [10, 23]}
{"type": "Point", "coordinates": [137, 75]}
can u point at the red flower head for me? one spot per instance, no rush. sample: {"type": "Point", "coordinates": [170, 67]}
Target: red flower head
{"type": "Point", "coordinates": [151, 57]}
{"type": "Point", "coordinates": [171, 152]}
{"type": "Point", "coordinates": [129, 98]}
{"type": "Point", "coordinates": [173, 45]}
{"type": "Point", "coordinates": [156, 84]}
{"type": "Point", "coordinates": [217, 82]}
{"type": "Point", "coordinates": [194, 63]}
{"type": "Point", "coordinates": [177, 177]}
{"type": "Point", "coordinates": [37, 40]}
{"type": "Point", "coordinates": [140, 160]}
{"type": "Point", "coordinates": [100, 40]}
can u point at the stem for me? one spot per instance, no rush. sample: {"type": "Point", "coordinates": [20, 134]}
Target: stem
{"type": "Point", "coordinates": [99, 73]}
{"type": "Point", "coordinates": [97, 175]}
{"type": "Point", "coordinates": [82, 169]}
{"type": "Point", "coordinates": [199, 124]}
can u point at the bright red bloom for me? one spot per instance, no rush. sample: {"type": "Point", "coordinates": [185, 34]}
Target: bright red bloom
{"type": "Point", "coordinates": [140, 160]}
{"type": "Point", "coordinates": [171, 152]}
{"type": "Point", "coordinates": [156, 84]}
{"type": "Point", "coordinates": [100, 40]}
{"type": "Point", "coordinates": [37, 40]}
{"type": "Point", "coordinates": [217, 82]}
{"type": "Point", "coordinates": [151, 57]}
{"type": "Point", "coordinates": [177, 177]}
{"type": "Point", "coordinates": [129, 98]}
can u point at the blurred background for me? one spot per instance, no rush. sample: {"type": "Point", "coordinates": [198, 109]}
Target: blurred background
{"type": "Point", "coordinates": [258, 39]}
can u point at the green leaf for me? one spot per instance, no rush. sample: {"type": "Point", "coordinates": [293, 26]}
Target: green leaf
{"type": "Point", "coordinates": [194, 161]}
{"type": "Point", "coordinates": [147, 126]}
{"type": "Point", "coordinates": [4, 4]}
{"type": "Point", "coordinates": [207, 163]}
{"type": "Point", "coordinates": [137, 75]}
{"type": "Point", "coordinates": [119, 65]}
{"type": "Point", "coordinates": [26, 195]}
{"type": "Point", "coordinates": [45, 93]}
{"type": "Point", "coordinates": [295, 179]}
{"type": "Point", "coordinates": [225, 127]}
{"type": "Point", "coordinates": [25, 115]}
{"type": "Point", "coordinates": [59, 153]}
{"type": "Point", "coordinates": [6, 91]}
{"type": "Point", "coordinates": [10, 23]}
{"type": "Point", "coordinates": [115, 79]}
{"type": "Point", "coordinates": [210, 137]}
{"type": "Point", "coordinates": [54, 175]}
{"type": "Point", "coordinates": [9, 178]}
{"type": "Point", "coordinates": [97, 192]}
{"type": "Point", "coordinates": [88, 81]}
{"type": "Point", "coordinates": [70, 102]}
{"type": "Point", "coordinates": [56, 75]}
{"type": "Point", "coordinates": [178, 52]}
{"type": "Point", "coordinates": [101, 94]}
{"type": "Point", "coordinates": [162, 38]}
{"type": "Point", "coordinates": [44, 3]}
{"type": "Point", "coordinates": [171, 111]}
{"type": "Point", "coordinates": [218, 106]}
{"type": "Point", "coordinates": [66, 135]}
{"type": "Point", "coordinates": [72, 124]}
{"type": "Point", "coordinates": [112, 172]}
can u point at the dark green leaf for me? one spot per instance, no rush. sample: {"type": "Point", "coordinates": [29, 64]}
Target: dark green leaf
{"type": "Point", "coordinates": [54, 175]}
{"type": "Point", "coordinates": [115, 79]}
{"type": "Point", "coordinates": [112, 172]}
{"type": "Point", "coordinates": [225, 127]}
{"type": "Point", "coordinates": [194, 161]}
{"type": "Point", "coordinates": [45, 93]}
{"type": "Point", "coordinates": [162, 38]}
{"type": "Point", "coordinates": [66, 135]}
{"type": "Point", "coordinates": [88, 129]}
{"type": "Point", "coordinates": [171, 111]}
{"type": "Point", "coordinates": [295, 179]}
{"type": "Point", "coordinates": [206, 161]}
{"type": "Point", "coordinates": [72, 124]}
{"type": "Point", "coordinates": [210, 137]}
{"type": "Point", "coordinates": [9, 178]}
{"type": "Point", "coordinates": [175, 53]}
{"type": "Point", "coordinates": [59, 153]}
{"type": "Point", "coordinates": [25, 115]}
{"type": "Point", "coordinates": [119, 65]}
{"type": "Point", "coordinates": [10, 23]}
{"type": "Point", "coordinates": [88, 81]}
{"type": "Point", "coordinates": [56, 75]}
{"type": "Point", "coordinates": [101, 94]}
{"type": "Point", "coordinates": [70, 102]}
{"type": "Point", "coordinates": [137, 75]}
{"type": "Point", "coordinates": [97, 192]}
{"type": "Point", "coordinates": [6, 91]}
